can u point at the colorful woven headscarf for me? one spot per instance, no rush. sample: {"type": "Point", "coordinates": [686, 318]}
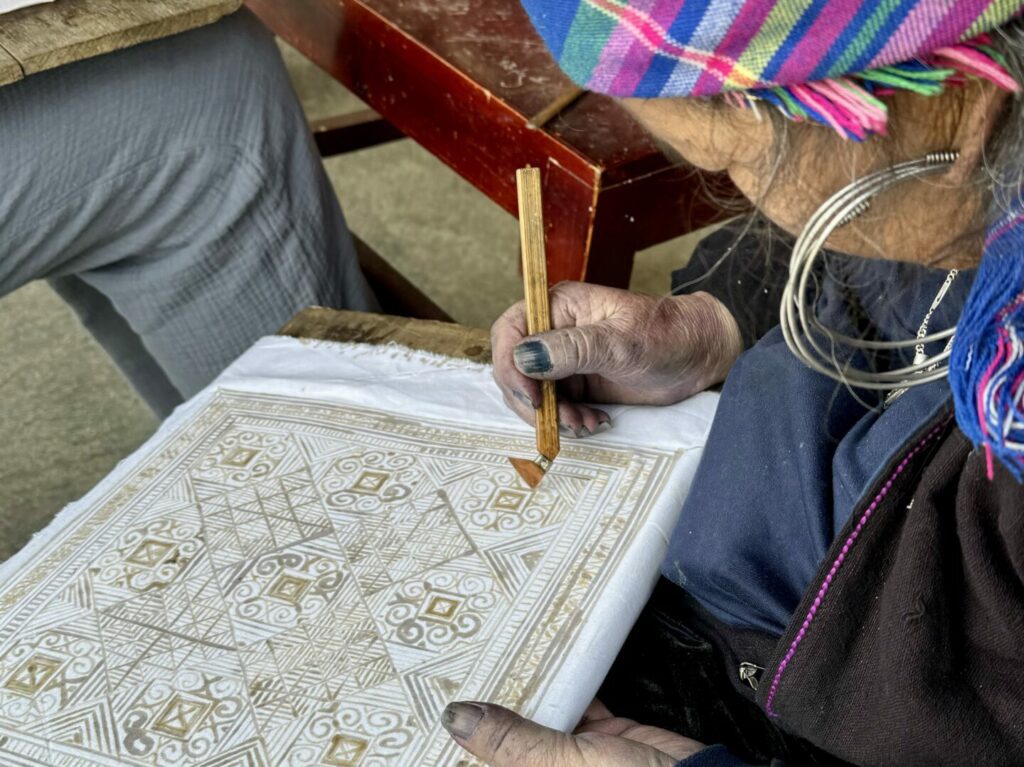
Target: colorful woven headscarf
{"type": "Point", "coordinates": [829, 61]}
{"type": "Point", "coordinates": [821, 60]}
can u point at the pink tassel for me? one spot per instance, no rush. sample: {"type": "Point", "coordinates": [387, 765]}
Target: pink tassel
{"type": "Point", "coordinates": [854, 111]}
{"type": "Point", "coordinates": [971, 61]}
{"type": "Point", "coordinates": [869, 116]}
{"type": "Point", "coordinates": [831, 115]}
{"type": "Point", "coordinates": [842, 106]}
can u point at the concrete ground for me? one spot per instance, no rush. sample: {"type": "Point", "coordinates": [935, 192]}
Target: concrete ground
{"type": "Point", "coordinates": [68, 416]}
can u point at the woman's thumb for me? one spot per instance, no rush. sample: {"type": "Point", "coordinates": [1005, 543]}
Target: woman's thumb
{"type": "Point", "coordinates": [502, 738]}
{"type": "Point", "coordinates": [565, 352]}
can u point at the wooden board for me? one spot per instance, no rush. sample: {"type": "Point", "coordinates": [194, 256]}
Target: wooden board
{"type": "Point", "coordinates": [47, 36]}
{"type": "Point", "coordinates": [10, 70]}
{"type": "Point", "coordinates": [445, 338]}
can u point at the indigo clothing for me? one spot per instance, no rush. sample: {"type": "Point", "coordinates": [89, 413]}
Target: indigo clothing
{"type": "Point", "coordinates": [172, 195]}
{"type": "Point", "coordinates": [898, 655]}
{"type": "Point", "coordinates": [791, 451]}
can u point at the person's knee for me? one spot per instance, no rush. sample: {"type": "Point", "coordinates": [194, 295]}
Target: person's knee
{"type": "Point", "coordinates": [222, 84]}
{"type": "Point", "coordinates": [230, 86]}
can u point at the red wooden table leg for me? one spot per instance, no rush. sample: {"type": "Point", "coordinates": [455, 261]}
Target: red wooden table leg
{"type": "Point", "coordinates": [569, 211]}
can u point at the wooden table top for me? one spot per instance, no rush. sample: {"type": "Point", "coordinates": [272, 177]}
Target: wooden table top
{"type": "Point", "coordinates": [445, 338]}
{"type": "Point", "coordinates": [47, 36]}
{"type": "Point", "coordinates": [500, 69]}
{"type": "Point", "coordinates": [494, 42]}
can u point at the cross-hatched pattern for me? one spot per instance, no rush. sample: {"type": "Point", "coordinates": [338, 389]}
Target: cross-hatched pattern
{"type": "Point", "coordinates": [287, 582]}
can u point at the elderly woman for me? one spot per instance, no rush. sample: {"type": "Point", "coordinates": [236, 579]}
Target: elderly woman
{"type": "Point", "coordinates": [846, 581]}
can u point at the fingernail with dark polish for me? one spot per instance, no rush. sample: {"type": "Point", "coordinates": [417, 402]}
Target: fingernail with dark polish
{"type": "Point", "coordinates": [532, 357]}
{"type": "Point", "coordinates": [584, 432]}
{"type": "Point", "coordinates": [603, 427]}
{"type": "Point", "coordinates": [523, 398]}
{"type": "Point", "coordinates": [461, 719]}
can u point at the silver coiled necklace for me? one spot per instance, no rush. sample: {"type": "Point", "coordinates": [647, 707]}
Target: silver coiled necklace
{"type": "Point", "coordinates": [802, 329]}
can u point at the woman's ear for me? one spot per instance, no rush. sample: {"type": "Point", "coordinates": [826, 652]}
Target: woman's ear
{"type": "Point", "coordinates": [982, 106]}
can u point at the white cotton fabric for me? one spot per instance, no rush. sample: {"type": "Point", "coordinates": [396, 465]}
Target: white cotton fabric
{"type": "Point", "coordinates": [6, 6]}
{"type": "Point", "coordinates": [430, 387]}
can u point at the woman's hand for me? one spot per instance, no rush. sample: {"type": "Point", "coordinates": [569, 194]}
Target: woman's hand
{"type": "Point", "coordinates": [614, 346]}
{"type": "Point", "coordinates": [502, 738]}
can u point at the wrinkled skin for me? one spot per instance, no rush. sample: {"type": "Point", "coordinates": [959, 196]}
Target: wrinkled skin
{"type": "Point", "coordinates": [616, 346]}
{"type": "Point", "coordinates": [501, 738]}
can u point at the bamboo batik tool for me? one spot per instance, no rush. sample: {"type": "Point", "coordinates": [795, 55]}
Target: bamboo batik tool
{"type": "Point", "coordinates": [538, 320]}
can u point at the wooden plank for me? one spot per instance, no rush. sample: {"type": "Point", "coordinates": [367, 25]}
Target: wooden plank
{"type": "Point", "coordinates": [48, 36]}
{"type": "Point", "coordinates": [449, 339]}
{"type": "Point", "coordinates": [480, 136]}
{"type": "Point", "coordinates": [466, 125]}
{"type": "Point", "coordinates": [10, 69]}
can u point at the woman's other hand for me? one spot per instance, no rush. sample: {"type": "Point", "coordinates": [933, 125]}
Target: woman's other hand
{"type": "Point", "coordinates": [614, 346]}
{"type": "Point", "coordinates": [501, 738]}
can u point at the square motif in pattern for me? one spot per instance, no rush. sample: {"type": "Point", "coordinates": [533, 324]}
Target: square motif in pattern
{"type": "Point", "coordinates": [370, 482]}
{"type": "Point", "coordinates": [345, 751]}
{"type": "Point", "coordinates": [32, 676]}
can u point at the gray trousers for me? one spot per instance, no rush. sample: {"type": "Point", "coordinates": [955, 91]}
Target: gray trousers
{"type": "Point", "coordinates": [171, 193]}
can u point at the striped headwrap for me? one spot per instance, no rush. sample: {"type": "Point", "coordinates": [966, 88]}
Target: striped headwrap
{"type": "Point", "coordinates": [829, 61]}
{"type": "Point", "coordinates": [821, 60]}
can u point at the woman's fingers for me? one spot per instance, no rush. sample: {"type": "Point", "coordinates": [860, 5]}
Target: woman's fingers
{"type": "Point", "coordinates": [581, 420]}
{"type": "Point", "coordinates": [569, 417]}
{"type": "Point", "coordinates": [521, 408]}
{"type": "Point", "coordinates": [507, 331]}
{"type": "Point", "coordinates": [595, 712]}
{"type": "Point", "coordinates": [502, 738]}
{"type": "Point", "coordinates": [593, 419]}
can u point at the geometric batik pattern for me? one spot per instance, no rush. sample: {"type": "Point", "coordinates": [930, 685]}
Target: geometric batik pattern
{"type": "Point", "coordinates": [291, 583]}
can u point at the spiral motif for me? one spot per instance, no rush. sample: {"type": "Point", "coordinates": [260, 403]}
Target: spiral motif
{"type": "Point", "coordinates": [268, 449]}
{"type": "Point", "coordinates": [126, 564]}
{"type": "Point", "coordinates": [409, 612]}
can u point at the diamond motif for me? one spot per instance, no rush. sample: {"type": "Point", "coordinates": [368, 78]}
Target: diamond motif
{"type": "Point", "coordinates": [305, 584]}
{"type": "Point", "coordinates": [150, 553]}
{"type": "Point", "coordinates": [181, 715]}
{"type": "Point", "coordinates": [288, 588]}
{"type": "Point", "coordinates": [370, 482]}
{"type": "Point", "coordinates": [32, 675]}
{"type": "Point", "coordinates": [239, 458]}
{"type": "Point", "coordinates": [508, 500]}
{"type": "Point", "coordinates": [345, 751]}
{"type": "Point", "coordinates": [442, 607]}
